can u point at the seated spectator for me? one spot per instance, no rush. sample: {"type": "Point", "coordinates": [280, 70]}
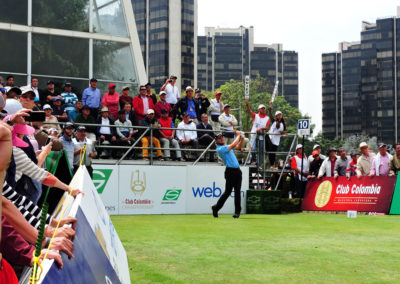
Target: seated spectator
{"type": "Point", "coordinates": [203, 102]}
{"type": "Point", "coordinates": [228, 121]}
{"type": "Point", "coordinates": [50, 118]}
{"type": "Point", "coordinates": [67, 142]}
{"type": "Point", "coordinates": [380, 164]}
{"type": "Point", "coordinates": [187, 138]}
{"type": "Point", "coordinates": [106, 134]}
{"type": "Point", "coordinates": [149, 94]}
{"type": "Point", "coordinates": [130, 114]}
{"type": "Point", "coordinates": [328, 165]}
{"type": "Point", "coordinates": [205, 138]}
{"type": "Point", "coordinates": [342, 163]}
{"type": "Point", "coordinates": [69, 98]}
{"type": "Point", "coordinates": [188, 105]}
{"type": "Point", "coordinates": [90, 153]}
{"type": "Point", "coordinates": [125, 132]}
{"type": "Point", "coordinates": [149, 120]}
{"type": "Point", "coordinates": [125, 98]}
{"type": "Point", "coordinates": [167, 136]}
{"type": "Point", "coordinates": [58, 110]}
{"type": "Point", "coordinates": [73, 114]}
{"type": "Point", "coordinates": [162, 104]}
{"type": "Point", "coordinates": [352, 169]}
{"type": "Point", "coordinates": [141, 104]}
{"type": "Point", "coordinates": [315, 164]}
{"type": "Point", "coordinates": [111, 100]}
{"type": "Point", "coordinates": [86, 118]}
{"type": "Point", "coordinates": [364, 162]}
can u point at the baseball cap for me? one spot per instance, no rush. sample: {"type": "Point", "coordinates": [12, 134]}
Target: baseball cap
{"type": "Point", "coordinates": [26, 90]}
{"type": "Point", "coordinates": [125, 88]}
{"type": "Point", "coordinates": [104, 109]}
{"type": "Point", "coordinates": [299, 146]}
{"type": "Point", "coordinates": [68, 84]}
{"type": "Point", "coordinates": [68, 125]}
{"type": "Point", "coordinates": [148, 85]}
{"type": "Point", "coordinates": [81, 128]}
{"type": "Point", "coordinates": [56, 99]}
{"type": "Point", "coordinates": [50, 82]}
{"type": "Point", "coordinates": [162, 93]}
{"type": "Point", "coordinates": [219, 135]}
{"type": "Point", "coordinates": [316, 146]}
{"type": "Point", "coordinates": [362, 145]}
{"type": "Point", "coordinates": [380, 145]}
{"type": "Point", "coordinates": [93, 80]}
{"type": "Point", "coordinates": [278, 112]}
{"type": "Point", "coordinates": [188, 88]}
{"type": "Point", "coordinates": [112, 85]}
{"type": "Point", "coordinates": [261, 106]}
{"type": "Point", "coordinates": [173, 77]}
{"type": "Point", "coordinates": [47, 106]}
{"type": "Point", "coordinates": [14, 89]}
{"type": "Point", "coordinates": [227, 105]}
{"type": "Point", "coordinates": [315, 153]}
{"type": "Point", "coordinates": [218, 93]}
{"type": "Point", "coordinates": [332, 149]}
{"type": "Point", "coordinates": [197, 90]}
{"type": "Point", "coordinates": [353, 153]}
{"type": "Point", "coordinates": [150, 111]}
{"type": "Point", "coordinates": [185, 114]}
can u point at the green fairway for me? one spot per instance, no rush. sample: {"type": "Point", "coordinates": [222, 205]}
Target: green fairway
{"type": "Point", "coordinates": [295, 248]}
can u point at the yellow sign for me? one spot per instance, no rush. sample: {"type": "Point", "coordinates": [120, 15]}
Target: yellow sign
{"type": "Point", "coordinates": [323, 194]}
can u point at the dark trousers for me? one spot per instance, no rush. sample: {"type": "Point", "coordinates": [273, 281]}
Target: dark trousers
{"type": "Point", "coordinates": [233, 180]}
{"type": "Point", "coordinates": [300, 187]}
{"type": "Point", "coordinates": [205, 140]}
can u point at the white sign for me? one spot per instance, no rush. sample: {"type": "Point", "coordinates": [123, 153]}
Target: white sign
{"type": "Point", "coordinates": [246, 87]}
{"type": "Point", "coordinates": [303, 127]}
{"type": "Point", "coordinates": [275, 91]}
{"type": "Point", "coordinates": [205, 185]}
{"type": "Point", "coordinates": [106, 182]}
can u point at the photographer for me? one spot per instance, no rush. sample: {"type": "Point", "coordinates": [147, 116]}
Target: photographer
{"type": "Point", "coordinates": [203, 102]}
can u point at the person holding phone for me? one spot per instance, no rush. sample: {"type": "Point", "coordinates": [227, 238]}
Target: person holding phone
{"type": "Point", "coordinates": [172, 92]}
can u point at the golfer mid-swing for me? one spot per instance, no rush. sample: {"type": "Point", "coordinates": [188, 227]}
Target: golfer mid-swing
{"type": "Point", "coordinates": [233, 174]}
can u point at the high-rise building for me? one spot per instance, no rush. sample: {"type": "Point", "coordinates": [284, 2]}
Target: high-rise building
{"type": "Point", "coordinates": [360, 84]}
{"type": "Point", "coordinates": [167, 33]}
{"type": "Point", "coordinates": [224, 54]}
{"type": "Point", "coordinates": [71, 41]}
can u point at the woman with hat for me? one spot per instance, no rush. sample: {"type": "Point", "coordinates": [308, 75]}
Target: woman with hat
{"type": "Point", "coordinates": [300, 166]}
{"type": "Point", "coordinates": [273, 139]}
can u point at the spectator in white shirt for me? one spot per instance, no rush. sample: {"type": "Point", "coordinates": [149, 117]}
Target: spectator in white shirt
{"type": "Point", "coordinates": [172, 93]}
{"type": "Point", "coordinates": [328, 165]}
{"type": "Point", "coordinates": [187, 138]}
{"type": "Point", "coordinates": [105, 134]}
{"type": "Point", "coordinates": [273, 139]}
{"type": "Point", "coordinates": [228, 121]}
{"type": "Point", "coordinates": [79, 143]}
{"type": "Point", "coordinates": [215, 109]}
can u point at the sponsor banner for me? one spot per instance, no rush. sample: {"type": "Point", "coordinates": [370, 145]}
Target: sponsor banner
{"type": "Point", "coordinates": [395, 207]}
{"type": "Point", "coordinates": [365, 194]}
{"type": "Point", "coordinates": [151, 189]}
{"type": "Point", "coordinates": [205, 184]}
{"type": "Point", "coordinates": [106, 182]}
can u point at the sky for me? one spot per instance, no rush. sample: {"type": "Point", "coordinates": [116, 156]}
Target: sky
{"type": "Point", "coordinates": [310, 27]}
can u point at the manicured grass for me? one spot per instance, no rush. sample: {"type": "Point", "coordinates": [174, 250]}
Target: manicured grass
{"type": "Point", "coordinates": [295, 248]}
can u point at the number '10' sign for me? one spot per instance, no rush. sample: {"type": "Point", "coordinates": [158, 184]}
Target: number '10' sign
{"type": "Point", "coordinates": [303, 127]}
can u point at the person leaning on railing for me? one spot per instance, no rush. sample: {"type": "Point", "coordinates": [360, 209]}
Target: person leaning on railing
{"type": "Point", "coordinates": [167, 136]}
{"type": "Point", "coordinates": [106, 134]}
{"type": "Point", "coordinates": [187, 138]}
{"type": "Point", "coordinates": [150, 121]}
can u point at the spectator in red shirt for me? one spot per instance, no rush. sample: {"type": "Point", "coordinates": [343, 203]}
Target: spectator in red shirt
{"type": "Point", "coordinates": [352, 170]}
{"type": "Point", "coordinates": [142, 103]}
{"type": "Point", "coordinates": [162, 104]}
{"type": "Point", "coordinates": [125, 98]}
{"type": "Point", "coordinates": [111, 100]}
{"type": "Point", "coordinates": [300, 166]}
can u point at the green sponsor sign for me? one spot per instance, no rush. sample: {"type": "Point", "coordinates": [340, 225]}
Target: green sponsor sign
{"type": "Point", "coordinates": [100, 179]}
{"type": "Point", "coordinates": [172, 194]}
{"type": "Point", "coordinates": [395, 207]}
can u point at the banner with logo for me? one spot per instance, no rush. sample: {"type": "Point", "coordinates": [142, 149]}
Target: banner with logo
{"type": "Point", "coordinates": [151, 189]}
{"type": "Point", "coordinates": [365, 194]}
{"type": "Point", "coordinates": [205, 184]}
{"type": "Point", "coordinates": [106, 181]}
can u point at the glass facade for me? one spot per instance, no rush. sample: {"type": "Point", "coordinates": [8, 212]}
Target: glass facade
{"type": "Point", "coordinates": [60, 54]}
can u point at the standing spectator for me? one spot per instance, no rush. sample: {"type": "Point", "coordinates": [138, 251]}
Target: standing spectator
{"type": "Point", "coordinates": [172, 92]}
{"type": "Point", "coordinates": [150, 121]}
{"type": "Point", "coordinates": [111, 100]}
{"type": "Point", "coordinates": [105, 133]}
{"type": "Point", "coordinates": [10, 81]}
{"type": "Point", "coordinates": [35, 88]}
{"type": "Point", "coordinates": [380, 164]}
{"type": "Point", "coordinates": [50, 119]}
{"type": "Point", "coordinates": [328, 165]}
{"type": "Point", "coordinates": [167, 136]}
{"type": "Point", "coordinates": [188, 105]}
{"type": "Point", "coordinates": [69, 98]}
{"type": "Point", "coordinates": [72, 115]}
{"type": "Point", "coordinates": [149, 94]}
{"type": "Point", "coordinates": [92, 97]}
{"type": "Point", "coordinates": [130, 114]}
{"type": "Point", "coordinates": [141, 104]}
{"type": "Point", "coordinates": [352, 169]}
{"type": "Point", "coordinates": [125, 98]}
{"type": "Point", "coordinates": [228, 121]}
{"type": "Point", "coordinates": [86, 118]}
{"type": "Point", "coordinates": [394, 164]}
{"type": "Point", "coordinates": [67, 142]}
{"type": "Point", "coordinates": [315, 165]}
{"type": "Point", "coordinates": [125, 132]}
{"type": "Point", "coordinates": [187, 138]}
{"type": "Point", "coordinates": [342, 163]}
{"type": "Point", "coordinates": [58, 110]}
{"type": "Point", "coordinates": [203, 102]}
{"type": "Point", "coordinates": [316, 148]}
{"type": "Point", "coordinates": [50, 94]}
{"type": "Point", "coordinates": [79, 142]}
{"type": "Point", "coordinates": [261, 123]}
{"type": "Point", "coordinates": [364, 162]}
{"type": "Point", "coordinates": [278, 126]}
{"type": "Point", "coordinates": [162, 104]}
{"type": "Point", "coordinates": [300, 178]}
{"type": "Point", "coordinates": [215, 109]}
{"type": "Point", "coordinates": [205, 138]}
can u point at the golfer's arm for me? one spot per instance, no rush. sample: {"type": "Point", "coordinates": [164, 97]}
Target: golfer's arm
{"type": "Point", "coordinates": [234, 143]}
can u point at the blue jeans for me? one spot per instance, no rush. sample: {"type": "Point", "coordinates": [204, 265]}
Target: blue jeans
{"type": "Point", "coordinates": [258, 155]}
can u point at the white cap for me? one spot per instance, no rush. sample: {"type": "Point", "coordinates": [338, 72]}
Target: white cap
{"type": "Point", "coordinates": [261, 106]}
{"type": "Point", "coordinates": [53, 129]}
{"type": "Point", "coordinates": [188, 88]}
{"type": "Point", "coordinates": [299, 146]}
{"type": "Point", "coordinates": [46, 106]}
{"type": "Point", "coordinates": [12, 106]}
{"type": "Point", "coordinates": [150, 111]}
{"type": "Point", "coordinates": [316, 146]}
{"type": "Point", "coordinates": [162, 93]}
{"type": "Point", "coordinates": [278, 112]}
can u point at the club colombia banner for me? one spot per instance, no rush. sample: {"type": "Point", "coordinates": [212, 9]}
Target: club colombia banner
{"type": "Point", "coordinates": [365, 194]}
